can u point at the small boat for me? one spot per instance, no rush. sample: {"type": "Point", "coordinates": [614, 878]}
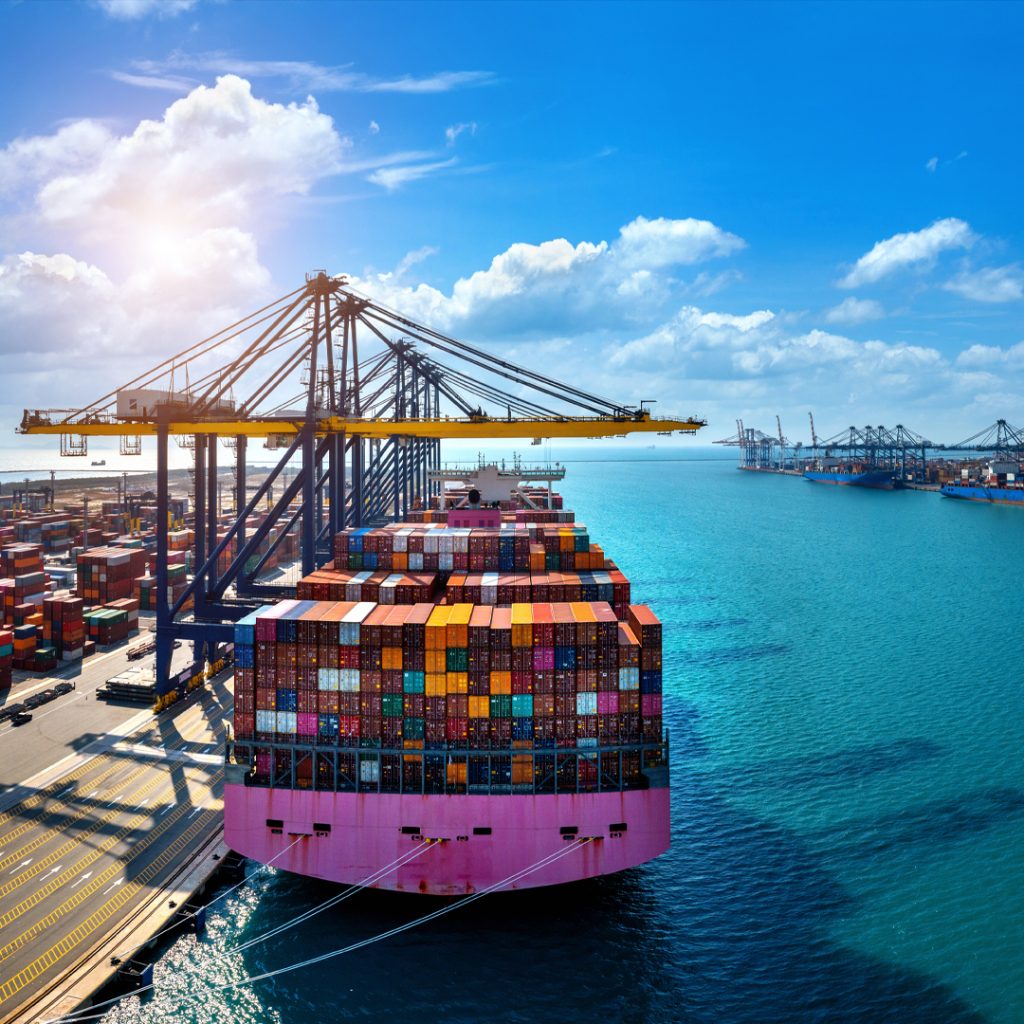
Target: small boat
{"type": "Point", "coordinates": [99, 462]}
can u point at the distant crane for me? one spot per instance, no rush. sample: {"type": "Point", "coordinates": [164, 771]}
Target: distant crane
{"type": "Point", "coordinates": [814, 436]}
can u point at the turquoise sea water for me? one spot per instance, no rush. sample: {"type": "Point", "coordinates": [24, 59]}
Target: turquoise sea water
{"type": "Point", "coordinates": [844, 693]}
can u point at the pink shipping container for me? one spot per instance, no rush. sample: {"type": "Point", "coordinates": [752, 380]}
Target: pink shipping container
{"type": "Point", "coordinates": [650, 704]}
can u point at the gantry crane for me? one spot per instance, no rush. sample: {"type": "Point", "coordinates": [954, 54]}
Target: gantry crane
{"type": "Point", "coordinates": [329, 377]}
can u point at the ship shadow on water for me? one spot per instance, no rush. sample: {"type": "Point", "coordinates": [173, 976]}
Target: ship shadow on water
{"type": "Point", "coordinates": [732, 926]}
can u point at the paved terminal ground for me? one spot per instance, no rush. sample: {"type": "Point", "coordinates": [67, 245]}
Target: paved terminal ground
{"type": "Point", "coordinates": [105, 812]}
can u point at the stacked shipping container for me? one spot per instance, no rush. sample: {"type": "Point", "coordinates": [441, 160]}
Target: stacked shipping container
{"type": "Point", "coordinates": [459, 677]}
{"type": "Point", "coordinates": [109, 574]}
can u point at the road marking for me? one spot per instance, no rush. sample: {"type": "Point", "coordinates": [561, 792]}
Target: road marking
{"type": "Point", "coordinates": [54, 871]}
{"type": "Point", "coordinates": [47, 834]}
{"type": "Point", "coordinates": [120, 881]}
{"type": "Point", "coordinates": [87, 928]}
{"type": "Point", "coordinates": [197, 811]}
{"type": "Point", "coordinates": [48, 793]}
{"type": "Point", "coordinates": [94, 852]}
{"type": "Point", "coordinates": [23, 864]}
{"type": "Point", "coordinates": [88, 874]}
{"type": "Point", "coordinates": [70, 844]}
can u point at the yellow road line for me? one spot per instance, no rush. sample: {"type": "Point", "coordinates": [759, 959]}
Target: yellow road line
{"type": "Point", "coordinates": [40, 865]}
{"type": "Point", "coordinates": [48, 833]}
{"type": "Point", "coordinates": [115, 869]}
{"type": "Point", "coordinates": [88, 927]}
{"type": "Point", "coordinates": [46, 814]}
{"type": "Point", "coordinates": [95, 782]}
{"type": "Point", "coordinates": [51, 791]}
{"type": "Point", "coordinates": [92, 855]}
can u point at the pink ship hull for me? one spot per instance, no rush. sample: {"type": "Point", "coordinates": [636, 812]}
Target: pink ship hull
{"type": "Point", "coordinates": [367, 833]}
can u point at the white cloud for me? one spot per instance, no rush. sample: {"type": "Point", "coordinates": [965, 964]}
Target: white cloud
{"type": "Point", "coordinates": [932, 164]}
{"type": "Point", "coordinates": [165, 83]}
{"type": "Point", "coordinates": [72, 147]}
{"type": "Point", "coordinates": [410, 259]}
{"type": "Point", "coordinates": [170, 214]}
{"type": "Point", "coordinates": [706, 285]}
{"type": "Point", "coordinates": [663, 242]}
{"type": "Point", "coordinates": [374, 128]}
{"type": "Point", "coordinates": [453, 131]}
{"type": "Point", "coordinates": [992, 357]}
{"type": "Point", "coordinates": [907, 249]}
{"type": "Point", "coordinates": [990, 284]}
{"type": "Point", "coordinates": [557, 287]}
{"type": "Point", "coordinates": [130, 10]}
{"type": "Point", "coordinates": [394, 177]}
{"type": "Point", "coordinates": [854, 311]}
{"type": "Point", "coordinates": [208, 161]}
{"type": "Point", "coordinates": [306, 76]}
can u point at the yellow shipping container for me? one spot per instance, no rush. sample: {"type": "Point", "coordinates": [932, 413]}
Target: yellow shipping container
{"type": "Point", "coordinates": [436, 628]}
{"type": "Point", "coordinates": [458, 682]}
{"type": "Point", "coordinates": [458, 625]}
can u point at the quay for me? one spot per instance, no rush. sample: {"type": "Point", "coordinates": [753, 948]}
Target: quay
{"type": "Point", "coordinates": [117, 826]}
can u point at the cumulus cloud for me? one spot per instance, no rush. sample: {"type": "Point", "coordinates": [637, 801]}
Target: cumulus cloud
{"type": "Point", "coordinates": [854, 311]}
{"type": "Point", "coordinates": [990, 284]}
{"type": "Point", "coordinates": [756, 364]}
{"type": "Point", "coordinates": [992, 357]}
{"type": "Point", "coordinates": [213, 155]}
{"type": "Point", "coordinates": [663, 242]}
{"type": "Point", "coordinates": [170, 213]}
{"type": "Point", "coordinates": [374, 128]}
{"type": "Point", "coordinates": [131, 10]}
{"type": "Point", "coordinates": [908, 249]}
{"type": "Point", "coordinates": [932, 164]}
{"type": "Point", "coordinates": [71, 148]}
{"type": "Point", "coordinates": [558, 286]}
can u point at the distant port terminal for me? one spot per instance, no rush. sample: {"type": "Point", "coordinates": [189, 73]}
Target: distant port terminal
{"type": "Point", "coordinates": [985, 467]}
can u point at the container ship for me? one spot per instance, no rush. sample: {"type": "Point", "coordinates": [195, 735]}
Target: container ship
{"type": "Point", "coordinates": [999, 484]}
{"type": "Point", "coordinates": [852, 476]}
{"type": "Point", "coordinates": [454, 700]}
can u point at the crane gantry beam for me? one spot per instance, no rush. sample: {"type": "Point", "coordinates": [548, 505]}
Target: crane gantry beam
{"type": "Point", "coordinates": [450, 428]}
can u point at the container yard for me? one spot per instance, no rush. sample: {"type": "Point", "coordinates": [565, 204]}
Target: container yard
{"type": "Point", "coordinates": [431, 663]}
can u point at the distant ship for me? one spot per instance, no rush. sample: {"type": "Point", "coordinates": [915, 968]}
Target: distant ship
{"type": "Point", "coordinates": [982, 492]}
{"type": "Point", "coordinates": [852, 476]}
{"type": "Point", "coordinates": [99, 462]}
{"type": "Point", "coordinates": [999, 484]}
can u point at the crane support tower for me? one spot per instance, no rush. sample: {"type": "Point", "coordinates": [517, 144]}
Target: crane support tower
{"type": "Point", "coordinates": [356, 397]}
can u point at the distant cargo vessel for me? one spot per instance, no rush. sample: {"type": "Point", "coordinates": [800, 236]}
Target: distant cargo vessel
{"type": "Point", "coordinates": [878, 479]}
{"type": "Point", "coordinates": [452, 702]}
{"type": "Point", "coordinates": [981, 492]}
{"type": "Point", "coordinates": [999, 484]}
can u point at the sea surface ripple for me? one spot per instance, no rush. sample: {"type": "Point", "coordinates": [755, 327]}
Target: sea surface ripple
{"type": "Point", "coordinates": [843, 690]}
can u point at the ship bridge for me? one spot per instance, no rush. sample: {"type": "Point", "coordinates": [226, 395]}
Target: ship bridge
{"type": "Point", "coordinates": [498, 481]}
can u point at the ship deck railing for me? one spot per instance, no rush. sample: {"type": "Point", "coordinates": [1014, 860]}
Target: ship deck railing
{"type": "Point", "coordinates": [291, 765]}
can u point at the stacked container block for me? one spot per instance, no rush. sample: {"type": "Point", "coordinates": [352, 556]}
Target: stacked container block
{"type": "Point", "coordinates": [109, 574]}
{"type": "Point", "coordinates": [449, 677]}
{"type": "Point", "coordinates": [64, 626]}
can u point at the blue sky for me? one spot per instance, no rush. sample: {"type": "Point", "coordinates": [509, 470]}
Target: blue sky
{"type": "Point", "coordinates": [738, 209]}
